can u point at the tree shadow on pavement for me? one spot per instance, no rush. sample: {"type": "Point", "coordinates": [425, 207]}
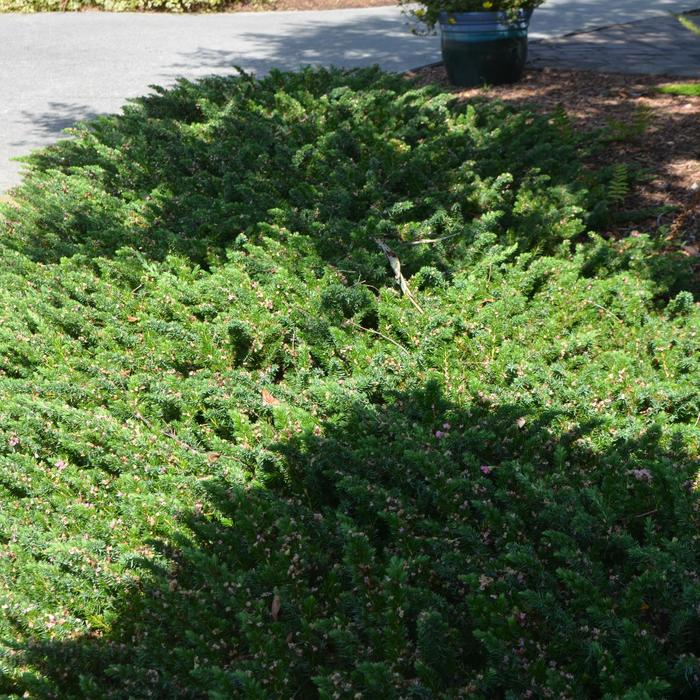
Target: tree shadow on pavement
{"type": "Point", "coordinates": [53, 122]}
{"type": "Point", "coordinates": [357, 42]}
{"type": "Point", "coordinates": [561, 18]}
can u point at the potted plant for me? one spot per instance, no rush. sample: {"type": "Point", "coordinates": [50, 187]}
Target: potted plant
{"type": "Point", "coordinates": [483, 41]}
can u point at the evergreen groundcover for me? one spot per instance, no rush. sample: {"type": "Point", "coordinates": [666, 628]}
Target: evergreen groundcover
{"type": "Point", "coordinates": [236, 461]}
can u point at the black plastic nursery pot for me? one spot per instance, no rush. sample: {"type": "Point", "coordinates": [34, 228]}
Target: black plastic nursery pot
{"type": "Point", "coordinates": [484, 48]}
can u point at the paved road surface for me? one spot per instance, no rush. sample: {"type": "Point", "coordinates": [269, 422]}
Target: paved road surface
{"type": "Point", "coordinates": [658, 45]}
{"type": "Point", "coordinates": [59, 68]}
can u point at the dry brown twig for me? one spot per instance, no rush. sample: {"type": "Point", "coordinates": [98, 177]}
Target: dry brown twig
{"type": "Point", "coordinates": [381, 335]}
{"type": "Point", "coordinates": [395, 265]}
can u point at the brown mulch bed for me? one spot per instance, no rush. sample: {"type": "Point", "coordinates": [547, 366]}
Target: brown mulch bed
{"type": "Point", "coordinates": [668, 149]}
{"type": "Point", "coordinates": [285, 5]}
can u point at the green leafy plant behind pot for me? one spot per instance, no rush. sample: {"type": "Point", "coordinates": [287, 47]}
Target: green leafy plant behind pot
{"type": "Point", "coordinates": [428, 11]}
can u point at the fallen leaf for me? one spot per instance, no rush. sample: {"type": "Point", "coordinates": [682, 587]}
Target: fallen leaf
{"type": "Point", "coordinates": [132, 319]}
{"type": "Point", "coordinates": [275, 607]}
{"type": "Point", "coordinates": [213, 456]}
{"type": "Point", "coordinates": [268, 399]}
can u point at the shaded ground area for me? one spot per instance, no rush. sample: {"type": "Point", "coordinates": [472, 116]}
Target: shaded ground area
{"type": "Point", "coordinates": [657, 135]}
{"type": "Point", "coordinates": [574, 16]}
{"type": "Point", "coordinates": [193, 604]}
{"type": "Point", "coordinates": [658, 46]}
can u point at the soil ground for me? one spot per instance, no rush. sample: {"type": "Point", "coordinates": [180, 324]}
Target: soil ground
{"type": "Point", "coordinates": [318, 4]}
{"type": "Point", "coordinates": [290, 5]}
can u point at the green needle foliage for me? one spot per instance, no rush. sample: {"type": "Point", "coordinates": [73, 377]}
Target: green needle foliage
{"type": "Point", "coordinates": [235, 461]}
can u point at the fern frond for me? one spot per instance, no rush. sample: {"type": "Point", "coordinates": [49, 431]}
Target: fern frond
{"type": "Point", "coordinates": [619, 185]}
